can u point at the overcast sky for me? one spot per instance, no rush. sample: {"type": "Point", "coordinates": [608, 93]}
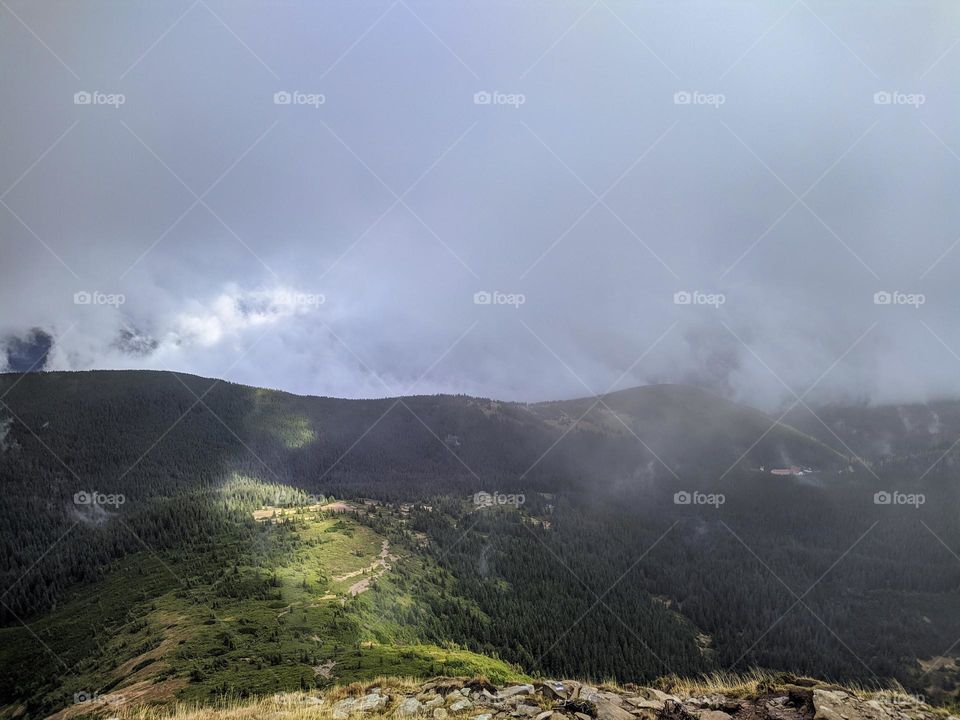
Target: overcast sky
{"type": "Point", "coordinates": [163, 206]}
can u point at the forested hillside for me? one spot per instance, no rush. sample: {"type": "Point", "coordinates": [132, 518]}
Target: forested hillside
{"type": "Point", "coordinates": [632, 536]}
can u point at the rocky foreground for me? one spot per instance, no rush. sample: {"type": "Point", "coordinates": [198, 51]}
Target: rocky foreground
{"type": "Point", "coordinates": [568, 700]}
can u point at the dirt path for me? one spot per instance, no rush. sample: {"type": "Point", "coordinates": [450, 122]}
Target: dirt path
{"type": "Point", "coordinates": [376, 569]}
{"type": "Point", "coordinates": [380, 562]}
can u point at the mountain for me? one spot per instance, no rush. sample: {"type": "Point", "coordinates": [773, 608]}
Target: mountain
{"type": "Point", "coordinates": [399, 445]}
{"type": "Point", "coordinates": [183, 538]}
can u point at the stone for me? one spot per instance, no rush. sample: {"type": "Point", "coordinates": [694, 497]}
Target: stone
{"type": "Point", "coordinates": [607, 710]}
{"type": "Point", "coordinates": [838, 705]}
{"type": "Point", "coordinates": [515, 690]}
{"type": "Point", "coordinates": [439, 713]}
{"type": "Point", "coordinates": [654, 694]}
{"type": "Point", "coordinates": [409, 707]}
{"type": "Point", "coordinates": [714, 715]}
{"type": "Point", "coordinates": [830, 705]}
{"type": "Point", "coordinates": [460, 705]}
{"type": "Point", "coordinates": [527, 711]}
{"type": "Point", "coordinates": [434, 702]}
{"type": "Point", "coordinates": [544, 715]}
{"type": "Point", "coordinates": [553, 690]}
{"type": "Point", "coordinates": [482, 716]}
{"type": "Point", "coordinates": [373, 701]}
{"type": "Point", "coordinates": [344, 708]}
{"type": "Point", "coordinates": [643, 703]}
{"type": "Point", "coordinates": [582, 716]}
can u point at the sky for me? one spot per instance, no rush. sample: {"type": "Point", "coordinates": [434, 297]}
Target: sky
{"type": "Point", "coordinates": [522, 200]}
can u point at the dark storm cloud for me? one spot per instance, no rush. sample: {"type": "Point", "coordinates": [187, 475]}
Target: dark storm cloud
{"type": "Point", "coordinates": [521, 200]}
{"type": "Point", "coordinates": [27, 352]}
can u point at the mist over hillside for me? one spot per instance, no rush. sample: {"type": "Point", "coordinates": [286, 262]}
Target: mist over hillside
{"type": "Point", "coordinates": [725, 538]}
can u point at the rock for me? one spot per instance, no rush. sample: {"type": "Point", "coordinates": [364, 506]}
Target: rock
{"type": "Point", "coordinates": [433, 702]}
{"type": "Point", "coordinates": [482, 716]}
{"type": "Point", "coordinates": [544, 715]}
{"type": "Point", "coordinates": [831, 705]}
{"type": "Point", "coordinates": [439, 713]}
{"type": "Point", "coordinates": [460, 705]}
{"type": "Point", "coordinates": [714, 715]}
{"type": "Point", "coordinates": [410, 707]}
{"type": "Point", "coordinates": [607, 710]}
{"type": "Point", "coordinates": [515, 690]}
{"type": "Point", "coordinates": [529, 711]}
{"type": "Point", "coordinates": [643, 703]}
{"type": "Point", "coordinates": [344, 708]}
{"type": "Point", "coordinates": [582, 716]}
{"type": "Point", "coordinates": [373, 701]}
{"type": "Point", "coordinates": [553, 690]}
{"type": "Point", "coordinates": [654, 694]}
{"type": "Point", "coordinates": [838, 705]}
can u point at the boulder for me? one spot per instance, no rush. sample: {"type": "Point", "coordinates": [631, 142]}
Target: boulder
{"type": "Point", "coordinates": [529, 711]}
{"type": "Point", "coordinates": [839, 705]}
{"type": "Point", "coordinates": [460, 705]}
{"type": "Point", "coordinates": [373, 701]}
{"type": "Point", "coordinates": [344, 708]}
{"type": "Point", "coordinates": [714, 715]}
{"type": "Point", "coordinates": [642, 703]}
{"type": "Point", "coordinates": [515, 690]}
{"type": "Point", "coordinates": [409, 707]}
{"type": "Point", "coordinates": [482, 716]}
{"type": "Point", "coordinates": [553, 690]}
{"type": "Point", "coordinates": [439, 713]}
{"type": "Point", "coordinates": [607, 710]}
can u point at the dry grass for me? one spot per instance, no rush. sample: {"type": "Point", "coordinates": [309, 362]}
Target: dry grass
{"type": "Point", "coordinates": [308, 706]}
{"type": "Point", "coordinates": [751, 683]}
{"type": "Point", "coordinates": [290, 706]}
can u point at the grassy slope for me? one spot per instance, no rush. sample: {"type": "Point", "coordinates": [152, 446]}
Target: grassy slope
{"type": "Point", "coordinates": [180, 627]}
